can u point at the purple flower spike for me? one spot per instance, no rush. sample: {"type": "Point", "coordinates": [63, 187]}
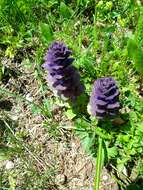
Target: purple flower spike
{"type": "Point", "coordinates": [63, 77]}
{"type": "Point", "coordinates": [104, 100]}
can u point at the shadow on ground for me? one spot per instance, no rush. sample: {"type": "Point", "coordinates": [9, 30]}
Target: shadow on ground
{"type": "Point", "coordinates": [5, 105]}
{"type": "Point", "coordinates": [137, 185]}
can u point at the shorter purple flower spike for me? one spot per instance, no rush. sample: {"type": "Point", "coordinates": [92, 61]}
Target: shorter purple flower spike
{"type": "Point", "coordinates": [63, 77]}
{"type": "Point", "coordinates": [104, 100]}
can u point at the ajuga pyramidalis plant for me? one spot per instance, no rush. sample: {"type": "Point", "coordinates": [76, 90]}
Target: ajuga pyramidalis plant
{"type": "Point", "coordinates": [63, 77]}
{"type": "Point", "coordinates": [104, 104]}
{"type": "Point", "coordinates": [104, 100]}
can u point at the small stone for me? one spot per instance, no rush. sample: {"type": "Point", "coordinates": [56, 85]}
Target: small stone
{"type": "Point", "coordinates": [61, 179]}
{"type": "Point", "coordinates": [29, 98]}
{"type": "Point", "coordinates": [9, 165]}
{"type": "Point", "coordinates": [14, 117]}
{"type": "Point", "coordinates": [105, 178]}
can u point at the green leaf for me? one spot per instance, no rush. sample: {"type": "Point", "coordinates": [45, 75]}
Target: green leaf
{"type": "Point", "coordinates": [69, 113]}
{"type": "Point", "coordinates": [5, 153]}
{"type": "Point", "coordinates": [35, 109]}
{"type": "Point", "coordinates": [112, 152]}
{"type": "Point", "coordinates": [139, 29]}
{"type": "Point", "coordinates": [102, 133]}
{"type": "Point", "coordinates": [4, 157]}
{"type": "Point", "coordinates": [65, 11]}
{"type": "Point", "coordinates": [46, 32]}
{"type": "Point", "coordinates": [51, 3]}
{"type": "Point", "coordinates": [122, 162]}
{"type": "Point", "coordinates": [140, 127]}
{"type": "Point", "coordinates": [136, 54]}
{"type": "Point", "coordinates": [120, 167]}
{"type": "Point", "coordinates": [82, 128]}
{"type": "Point", "coordinates": [88, 143]}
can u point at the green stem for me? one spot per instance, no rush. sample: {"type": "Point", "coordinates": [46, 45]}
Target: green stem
{"type": "Point", "coordinates": [98, 164]}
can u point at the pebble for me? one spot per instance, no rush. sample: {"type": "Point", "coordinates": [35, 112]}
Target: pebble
{"type": "Point", "coordinates": [14, 117]}
{"type": "Point", "coordinates": [9, 165]}
{"type": "Point", "coordinates": [105, 177]}
{"type": "Point", "coordinates": [61, 179]}
{"type": "Point", "coordinates": [29, 98]}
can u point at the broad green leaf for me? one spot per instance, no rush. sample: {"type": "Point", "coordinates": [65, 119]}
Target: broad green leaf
{"type": "Point", "coordinates": [140, 127]}
{"type": "Point", "coordinates": [136, 54]}
{"type": "Point", "coordinates": [4, 157]}
{"type": "Point", "coordinates": [139, 29]}
{"type": "Point", "coordinates": [112, 152]}
{"type": "Point", "coordinates": [65, 11]}
{"type": "Point", "coordinates": [46, 32]}
{"type": "Point", "coordinates": [81, 125]}
{"type": "Point", "coordinates": [87, 143]}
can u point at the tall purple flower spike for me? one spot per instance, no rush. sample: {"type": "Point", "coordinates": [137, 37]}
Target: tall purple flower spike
{"type": "Point", "coordinates": [104, 100]}
{"type": "Point", "coordinates": [62, 77]}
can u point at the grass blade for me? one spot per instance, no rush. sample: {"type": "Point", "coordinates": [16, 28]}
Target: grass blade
{"type": "Point", "coordinates": [98, 165]}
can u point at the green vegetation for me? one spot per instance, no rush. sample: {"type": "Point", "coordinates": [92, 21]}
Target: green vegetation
{"type": "Point", "coordinates": [107, 40]}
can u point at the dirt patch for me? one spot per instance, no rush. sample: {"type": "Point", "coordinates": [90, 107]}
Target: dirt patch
{"type": "Point", "coordinates": [45, 161]}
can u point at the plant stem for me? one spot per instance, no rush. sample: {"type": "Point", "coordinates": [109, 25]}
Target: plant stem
{"type": "Point", "coordinates": [98, 164]}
